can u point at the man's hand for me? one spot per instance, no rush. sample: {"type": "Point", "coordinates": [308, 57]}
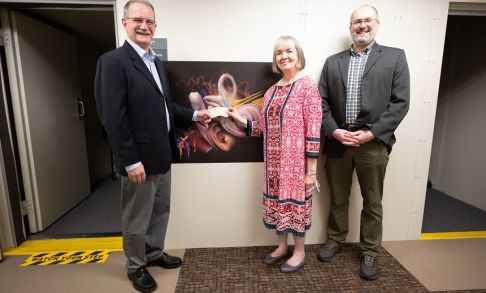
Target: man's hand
{"type": "Point", "coordinates": [363, 136]}
{"type": "Point", "coordinates": [137, 175]}
{"type": "Point", "coordinates": [203, 117]}
{"type": "Point", "coordinates": [347, 138]}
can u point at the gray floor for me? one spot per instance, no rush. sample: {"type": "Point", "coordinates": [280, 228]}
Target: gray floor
{"type": "Point", "coordinates": [443, 213]}
{"type": "Point", "coordinates": [443, 265]}
{"type": "Point", "coordinates": [98, 215]}
{"type": "Point", "coordinates": [108, 277]}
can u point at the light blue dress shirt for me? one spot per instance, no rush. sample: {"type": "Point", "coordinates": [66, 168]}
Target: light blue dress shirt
{"type": "Point", "coordinates": [149, 60]}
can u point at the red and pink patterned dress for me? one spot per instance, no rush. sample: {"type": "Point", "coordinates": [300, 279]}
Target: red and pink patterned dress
{"type": "Point", "coordinates": [290, 123]}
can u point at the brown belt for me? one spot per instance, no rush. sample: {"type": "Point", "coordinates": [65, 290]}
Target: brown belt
{"type": "Point", "coordinates": [354, 126]}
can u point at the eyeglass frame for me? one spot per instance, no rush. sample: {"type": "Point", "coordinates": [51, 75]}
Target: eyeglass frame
{"type": "Point", "coordinates": [140, 21]}
{"type": "Point", "coordinates": [366, 20]}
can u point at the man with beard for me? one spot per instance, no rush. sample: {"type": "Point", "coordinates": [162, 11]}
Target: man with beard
{"type": "Point", "coordinates": [365, 94]}
{"type": "Point", "coordinates": [135, 108]}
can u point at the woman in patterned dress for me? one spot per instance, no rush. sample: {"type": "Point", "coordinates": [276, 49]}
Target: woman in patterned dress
{"type": "Point", "coordinates": [290, 124]}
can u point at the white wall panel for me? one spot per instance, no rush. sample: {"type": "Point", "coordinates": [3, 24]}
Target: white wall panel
{"type": "Point", "coordinates": [220, 204]}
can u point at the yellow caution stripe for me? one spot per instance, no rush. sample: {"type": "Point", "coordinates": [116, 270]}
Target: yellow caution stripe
{"type": "Point", "coordinates": [453, 235]}
{"type": "Point", "coordinates": [73, 244]}
{"type": "Point", "coordinates": [66, 258]}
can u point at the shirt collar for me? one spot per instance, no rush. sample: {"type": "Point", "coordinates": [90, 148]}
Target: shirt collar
{"type": "Point", "coordinates": [365, 52]}
{"type": "Point", "coordinates": [141, 52]}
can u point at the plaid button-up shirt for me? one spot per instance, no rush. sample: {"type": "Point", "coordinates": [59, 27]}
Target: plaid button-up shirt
{"type": "Point", "coordinates": [357, 65]}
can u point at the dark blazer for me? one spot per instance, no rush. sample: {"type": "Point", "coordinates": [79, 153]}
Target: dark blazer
{"type": "Point", "coordinates": [385, 95]}
{"type": "Point", "coordinates": [131, 109]}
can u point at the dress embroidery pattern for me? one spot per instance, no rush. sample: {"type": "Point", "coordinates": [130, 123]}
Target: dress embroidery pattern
{"type": "Point", "coordinates": [291, 119]}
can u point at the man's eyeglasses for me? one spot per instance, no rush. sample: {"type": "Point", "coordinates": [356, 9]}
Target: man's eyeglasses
{"type": "Point", "coordinates": [140, 21]}
{"type": "Point", "coordinates": [366, 21]}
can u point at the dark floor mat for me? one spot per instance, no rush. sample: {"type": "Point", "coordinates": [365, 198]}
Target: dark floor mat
{"type": "Point", "coordinates": [240, 269]}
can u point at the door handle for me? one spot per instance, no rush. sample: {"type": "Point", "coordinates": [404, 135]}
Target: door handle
{"type": "Point", "coordinates": [80, 109]}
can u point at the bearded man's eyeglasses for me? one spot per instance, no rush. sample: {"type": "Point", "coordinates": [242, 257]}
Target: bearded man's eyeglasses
{"type": "Point", "coordinates": [366, 21]}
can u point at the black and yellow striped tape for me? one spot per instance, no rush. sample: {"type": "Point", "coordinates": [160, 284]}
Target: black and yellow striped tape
{"type": "Point", "coordinates": [67, 257]}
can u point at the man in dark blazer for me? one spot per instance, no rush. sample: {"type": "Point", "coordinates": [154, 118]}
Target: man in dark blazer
{"type": "Point", "coordinates": [365, 95]}
{"type": "Point", "coordinates": [135, 107]}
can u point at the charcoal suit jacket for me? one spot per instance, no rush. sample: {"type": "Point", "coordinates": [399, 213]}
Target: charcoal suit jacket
{"type": "Point", "coordinates": [385, 95]}
{"type": "Point", "coordinates": [131, 108]}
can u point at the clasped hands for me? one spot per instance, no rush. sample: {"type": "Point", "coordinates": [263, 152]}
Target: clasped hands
{"type": "Point", "coordinates": [353, 138]}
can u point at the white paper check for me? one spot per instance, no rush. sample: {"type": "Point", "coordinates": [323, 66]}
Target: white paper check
{"type": "Point", "coordinates": [218, 111]}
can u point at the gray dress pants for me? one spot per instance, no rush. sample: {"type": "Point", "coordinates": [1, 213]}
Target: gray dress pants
{"type": "Point", "coordinates": [145, 214]}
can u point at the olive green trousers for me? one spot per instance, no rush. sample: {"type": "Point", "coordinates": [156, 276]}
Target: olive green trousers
{"type": "Point", "coordinates": [370, 161]}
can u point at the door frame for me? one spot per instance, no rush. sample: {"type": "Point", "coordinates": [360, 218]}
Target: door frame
{"type": "Point", "coordinates": [12, 228]}
{"type": "Point", "coordinates": [466, 9]}
{"type": "Point", "coordinates": [24, 147]}
{"type": "Point", "coordinates": [455, 8]}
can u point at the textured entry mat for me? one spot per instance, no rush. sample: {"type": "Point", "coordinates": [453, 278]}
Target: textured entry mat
{"type": "Point", "coordinates": [240, 269]}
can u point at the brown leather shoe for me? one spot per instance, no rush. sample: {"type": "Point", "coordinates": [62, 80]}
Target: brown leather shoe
{"type": "Point", "coordinates": [142, 280]}
{"type": "Point", "coordinates": [166, 261]}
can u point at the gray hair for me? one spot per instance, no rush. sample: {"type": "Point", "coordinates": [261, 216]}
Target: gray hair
{"type": "Point", "coordinates": [362, 6]}
{"type": "Point", "coordinates": [130, 2]}
{"type": "Point", "coordinates": [286, 40]}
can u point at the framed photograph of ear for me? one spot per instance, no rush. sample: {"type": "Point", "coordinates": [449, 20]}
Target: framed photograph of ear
{"type": "Point", "coordinates": [217, 86]}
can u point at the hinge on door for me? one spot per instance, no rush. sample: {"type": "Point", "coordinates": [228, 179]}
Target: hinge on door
{"type": "Point", "coordinates": [24, 206]}
{"type": "Point", "coordinates": [4, 37]}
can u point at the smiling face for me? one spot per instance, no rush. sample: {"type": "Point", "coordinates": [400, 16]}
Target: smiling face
{"type": "Point", "coordinates": [363, 27]}
{"type": "Point", "coordinates": [286, 57]}
{"type": "Point", "coordinates": [139, 23]}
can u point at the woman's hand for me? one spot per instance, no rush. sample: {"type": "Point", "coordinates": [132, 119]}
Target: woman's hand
{"type": "Point", "coordinates": [235, 114]}
{"type": "Point", "coordinates": [310, 182]}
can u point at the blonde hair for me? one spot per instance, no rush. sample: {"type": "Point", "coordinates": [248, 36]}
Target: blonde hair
{"type": "Point", "coordinates": [285, 41]}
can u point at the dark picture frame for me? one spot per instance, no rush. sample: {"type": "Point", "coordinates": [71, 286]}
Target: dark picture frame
{"type": "Point", "coordinates": [203, 85]}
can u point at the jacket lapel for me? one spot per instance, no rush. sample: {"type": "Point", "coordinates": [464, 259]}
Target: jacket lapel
{"type": "Point", "coordinates": [162, 75]}
{"type": "Point", "coordinates": [374, 56]}
{"type": "Point", "coordinates": [165, 87]}
{"type": "Point", "coordinates": [140, 65]}
{"type": "Point", "coordinates": [344, 67]}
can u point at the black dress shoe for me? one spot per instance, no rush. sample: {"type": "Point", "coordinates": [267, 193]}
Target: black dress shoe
{"type": "Point", "coordinates": [142, 280]}
{"type": "Point", "coordinates": [166, 261]}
